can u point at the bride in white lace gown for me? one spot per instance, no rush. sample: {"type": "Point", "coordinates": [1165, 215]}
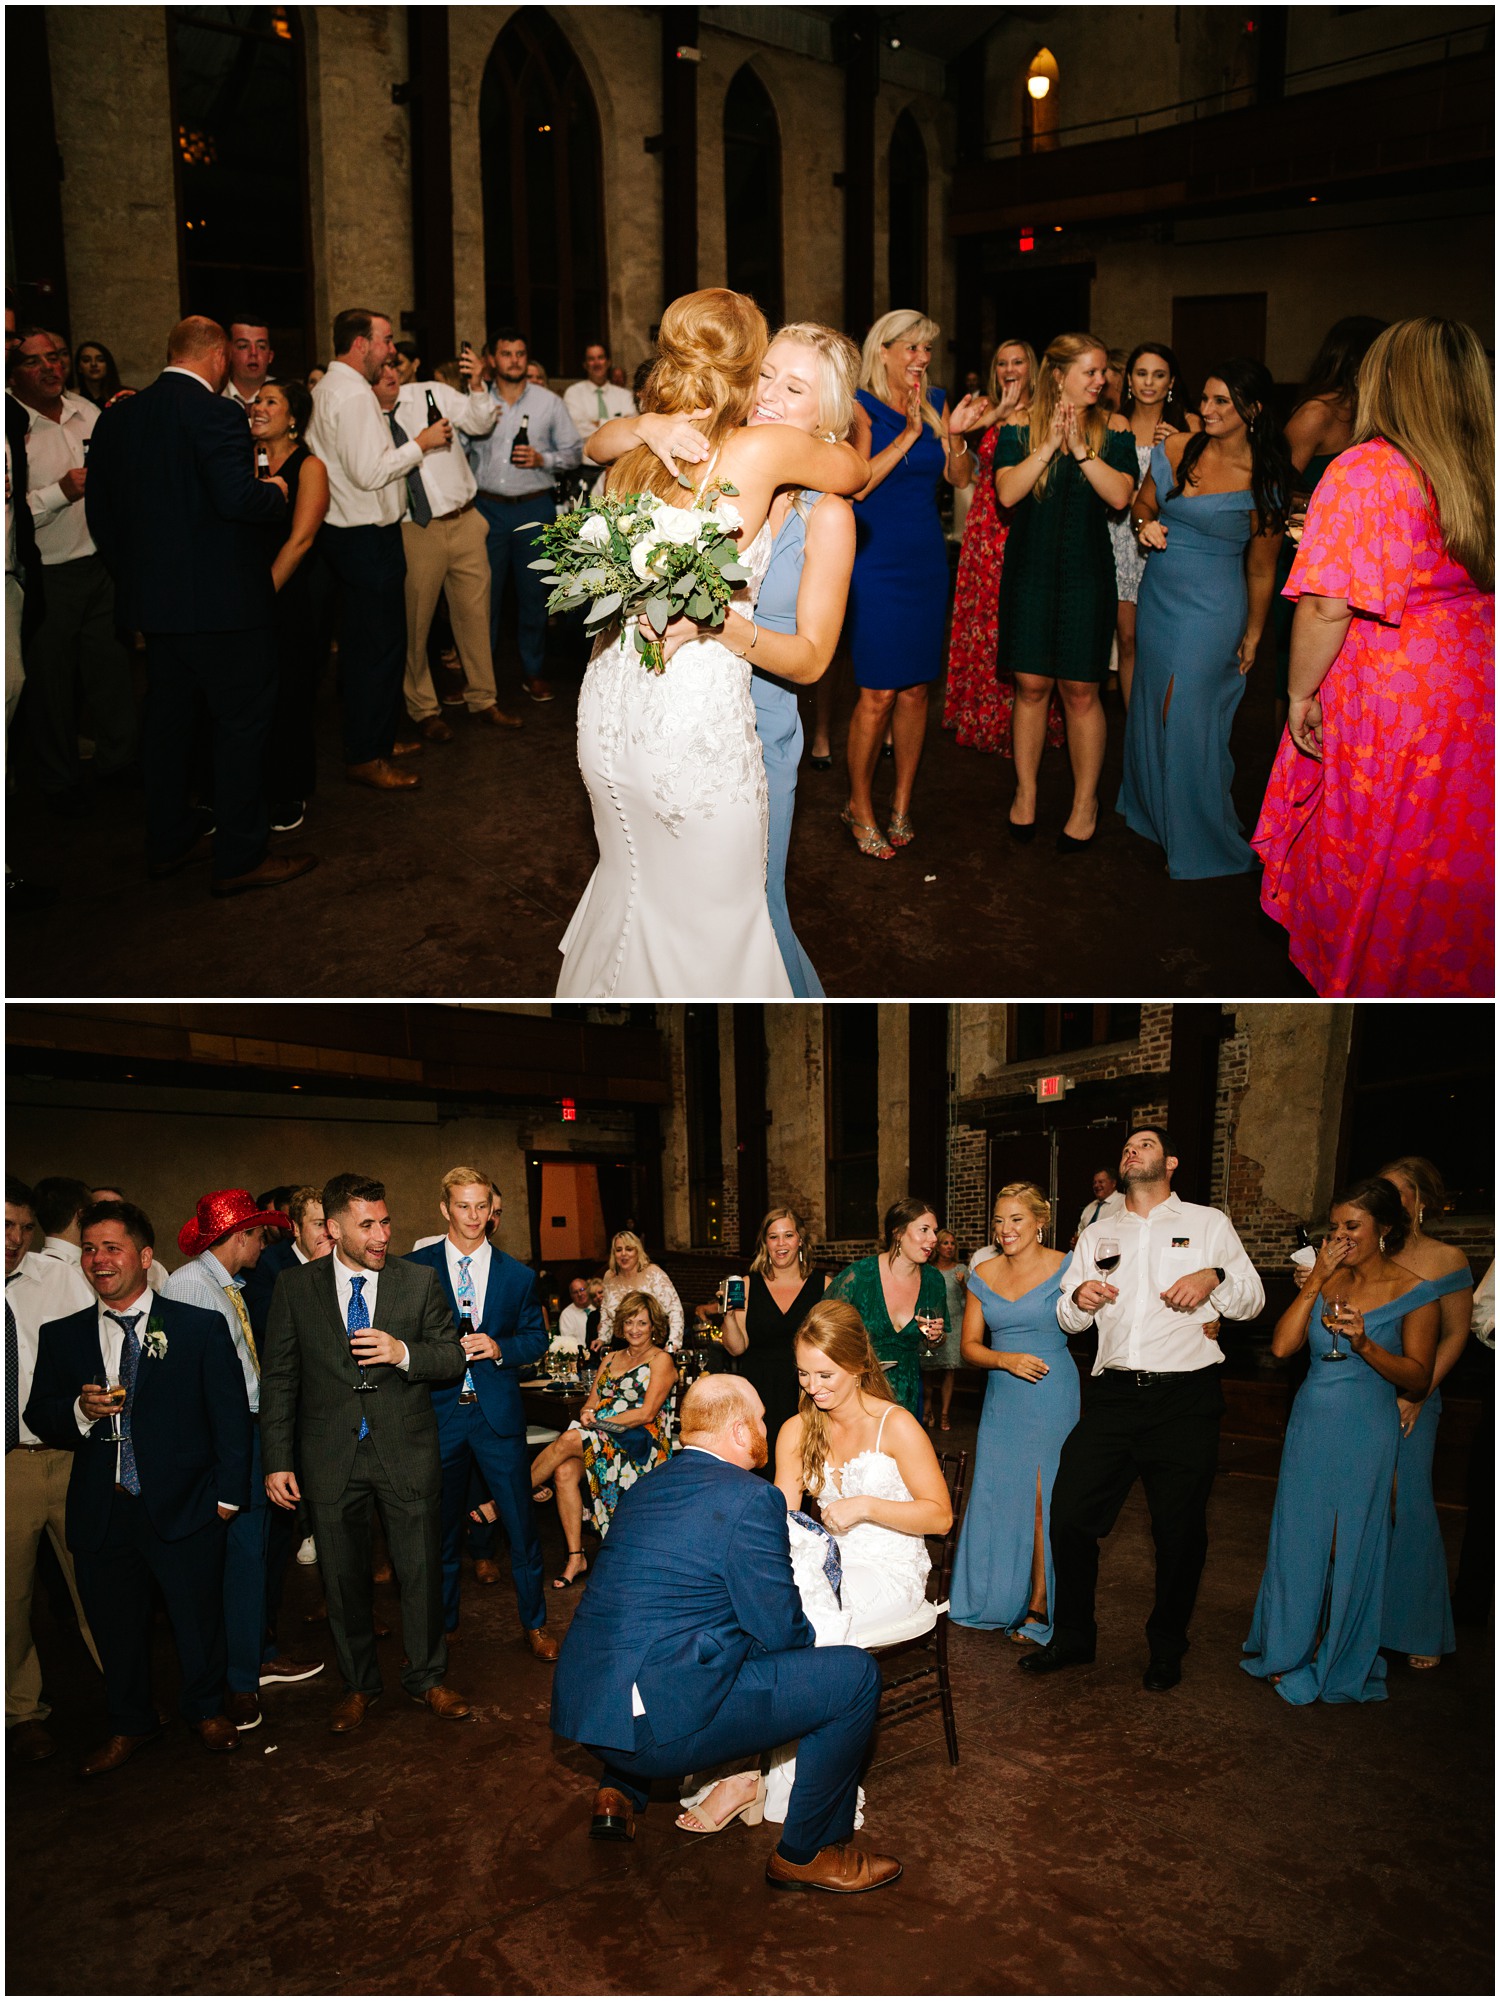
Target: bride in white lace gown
{"type": "Point", "coordinates": [880, 1490]}
{"type": "Point", "coordinates": [676, 907]}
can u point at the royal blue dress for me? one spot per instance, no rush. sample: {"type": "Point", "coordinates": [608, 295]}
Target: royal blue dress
{"type": "Point", "coordinates": [1418, 1616]}
{"type": "Point", "coordinates": [898, 599]}
{"type": "Point", "coordinates": [1189, 621]}
{"type": "Point", "coordinates": [778, 724]}
{"type": "Point", "coordinates": [1021, 1433]}
{"type": "Point", "coordinates": [1318, 1612]}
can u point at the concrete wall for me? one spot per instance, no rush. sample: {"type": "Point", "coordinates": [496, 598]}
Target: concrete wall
{"type": "Point", "coordinates": [113, 114]}
{"type": "Point", "coordinates": [359, 165]}
{"type": "Point", "coordinates": [168, 1147]}
{"type": "Point", "coordinates": [796, 1149]}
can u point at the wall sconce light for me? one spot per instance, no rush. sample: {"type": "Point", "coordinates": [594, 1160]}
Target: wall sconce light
{"type": "Point", "coordinates": [1038, 86]}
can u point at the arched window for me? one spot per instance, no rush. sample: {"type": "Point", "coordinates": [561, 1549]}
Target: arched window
{"type": "Point", "coordinates": [543, 197]}
{"type": "Point", "coordinates": [752, 194]}
{"type": "Point", "coordinates": [242, 211]}
{"type": "Point", "coordinates": [1039, 104]}
{"type": "Point", "coordinates": [907, 172]}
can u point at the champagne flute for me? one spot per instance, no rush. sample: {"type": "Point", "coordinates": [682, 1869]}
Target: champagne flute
{"type": "Point", "coordinates": [1333, 1312]}
{"type": "Point", "coordinates": [116, 1392]}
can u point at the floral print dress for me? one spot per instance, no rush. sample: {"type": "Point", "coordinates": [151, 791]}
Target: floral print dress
{"type": "Point", "coordinates": [1380, 859]}
{"type": "Point", "coordinates": [612, 1465]}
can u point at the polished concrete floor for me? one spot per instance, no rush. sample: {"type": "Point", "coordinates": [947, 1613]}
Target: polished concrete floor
{"type": "Point", "coordinates": [465, 887]}
{"type": "Point", "coordinates": [1093, 1838]}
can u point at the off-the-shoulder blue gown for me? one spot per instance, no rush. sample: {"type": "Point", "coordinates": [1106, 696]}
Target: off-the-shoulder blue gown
{"type": "Point", "coordinates": [1418, 1617]}
{"type": "Point", "coordinates": [778, 724]}
{"type": "Point", "coordinates": [1021, 1433]}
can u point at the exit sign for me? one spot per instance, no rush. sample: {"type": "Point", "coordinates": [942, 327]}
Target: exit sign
{"type": "Point", "coordinates": [1051, 1090]}
{"type": "Point", "coordinates": [569, 1109]}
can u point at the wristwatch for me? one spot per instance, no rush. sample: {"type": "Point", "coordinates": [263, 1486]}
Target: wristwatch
{"type": "Point", "coordinates": [1218, 1272]}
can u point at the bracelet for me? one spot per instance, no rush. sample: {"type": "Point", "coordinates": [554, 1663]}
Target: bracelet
{"type": "Point", "coordinates": [961, 446]}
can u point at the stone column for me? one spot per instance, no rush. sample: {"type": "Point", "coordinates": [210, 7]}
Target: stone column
{"type": "Point", "coordinates": [895, 1106]}
{"type": "Point", "coordinates": [797, 1149]}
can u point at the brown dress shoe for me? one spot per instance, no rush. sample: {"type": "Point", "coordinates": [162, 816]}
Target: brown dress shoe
{"type": "Point", "coordinates": [406, 746]}
{"type": "Point", "coordinates": [218, 1733]}
{"type": "Point", "coordinates": [381, 776]}
{"type": "Point", "coordinates": [271, 874]}
{"type": "Point", "coordinates": [614, 1816]}
{"type": "Point", "coordinates": [202, 850]}
{"type": "Point", "coordinates": [496, 717]}
{"type": "Point", "coordinates": [284, 1668]}
{"type": "Point", "coordinates": [435, 730]}
{"type": "Point", "coordinates": [842, 1867]}
{"type": "Point", "coordinates": [444, 1701]}
{"type": "Point", "coordinates": [383, 1573]}
{"type": "Point", "coordinates": [242, 1707]}
{"type": "Point", "coordinates": [349, 1711]}
{"type": "Point", "coordinates": [541, 1644]}
{"type": "Point", "coordinates": [111, 1754]}
{"type": "Point", "coordinates": [30, 1742]}
{"type": "Point", "coordinates": [539, 690]}
{"type": "Point", "coordinates": [486, 1570]}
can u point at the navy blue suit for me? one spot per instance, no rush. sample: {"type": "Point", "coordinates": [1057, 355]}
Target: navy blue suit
{"type": "Point", "coordinates": [691, 1601]}
{"type": "Point", "coordinates": [190, 1422]}
{"type": "Point", "coordinates": [182, 523]}
{"type": "Point", "coordinates": [491, 1431]}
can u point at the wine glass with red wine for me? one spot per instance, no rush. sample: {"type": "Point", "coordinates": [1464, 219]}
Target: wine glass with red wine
{"type": "Point", "coordinates": [1106, 1255]}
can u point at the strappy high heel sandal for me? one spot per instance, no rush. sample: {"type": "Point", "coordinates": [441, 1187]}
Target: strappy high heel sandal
{"type": "Point", "coordinates": [752, 1812]}
{"type": "Point", "coordinates": [567, 1583]}
{"type": "Point", "coordinates": [869, 840]}
{"type": "Point", "coordinates": [901, 833]}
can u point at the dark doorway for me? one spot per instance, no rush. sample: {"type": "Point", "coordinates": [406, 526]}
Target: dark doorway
{"type": "Point", "coordinates": [539, 165]}
{"type": "Point", "coordinates": [752, 194]}
{"type": "Point", "coordinates": [1037, 303]}
{"type": "Point", "coordinates": [240, 149]}
{"type": "Point", "coordinates": [1058, 1147]}
{"type": "Point", "coordinates": [1214, 327]}
{"type": "Point", "coordinates": [907, 191]}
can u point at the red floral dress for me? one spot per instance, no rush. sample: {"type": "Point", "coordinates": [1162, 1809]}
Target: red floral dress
{"type": "Point", "coordinates": [1380, 860]}
{"type": "Point", "coordinates": [980, 696]}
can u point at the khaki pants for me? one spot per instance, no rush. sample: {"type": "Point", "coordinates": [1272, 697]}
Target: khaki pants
{"type": "Point", "coordinates": [448, 555]}
{"type": "Point", "coordinates": [36, 1493]}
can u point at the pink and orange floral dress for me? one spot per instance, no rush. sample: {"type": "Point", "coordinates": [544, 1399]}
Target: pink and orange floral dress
{"type": "Point", "coordinates": [977, 702]}
{"type": "Point", "coordinates": [1379, 860]}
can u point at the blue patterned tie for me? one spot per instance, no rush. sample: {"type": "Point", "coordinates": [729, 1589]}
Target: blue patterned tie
{"type": "Point", "coordinates": [466, 1305]}
{"type": "Point", "coordinates": [130, 1356]}
{"type": "Point", "coordinates": [833, 1563]}
{"type": "Point", "coordinates": [359, 1319]}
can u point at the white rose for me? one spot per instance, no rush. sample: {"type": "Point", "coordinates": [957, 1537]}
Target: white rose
{"type": "Point", "coordinates": [729, 515]}
{"type": "Point", "coordinates": [679, 525]}
{"type": "Point", "coordinates": [595, 531]}
{"type": "Point", "coordinates": [641, 554]}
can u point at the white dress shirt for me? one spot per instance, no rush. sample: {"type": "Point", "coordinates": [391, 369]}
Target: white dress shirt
{"type": "Point", "coordinates": [52, 450]}
{"type": "Point", "coordinates": [342, 1274]}
{"type": "Point", "coordinates": [572, 1326]}
{"type": "Point", "coordinates": [38, 1290]}
{"type": "Point", "coordinates": [1095, 1210]}
{"type": "Point", "coordinates": [581, 402]}
{"type": "Point", "coordinates": [1138, 1330]}
{"type": "Point", "coordinates": [449, 483]}
{"type": "Point", "coordinates": [479, 1272]}
{"type": "Point", "coordinates": [201, 1282]}
{"type": "Point", "coordinates": [366, 472]}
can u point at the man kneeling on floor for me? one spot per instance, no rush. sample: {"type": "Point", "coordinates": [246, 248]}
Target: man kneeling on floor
{"type": "Point", "coordinates": [690, 1648]}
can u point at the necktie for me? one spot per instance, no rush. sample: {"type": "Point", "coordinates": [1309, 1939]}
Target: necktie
{"type": "Point", "coordinates": [416, 493]}
{"type": "Point", "coordinates": [237, 1301]}
{"type": "Point", "coordinates": [130, 1356]}
{"type": "Point", "coordinates": [359, 1319]}
{"type": "Point", "coordinates": [833, 1562]}
{"type": "Point", "coordinates": [466, 1306]}
{"type": "Point", "coordinates": [12, 1382]}
{"type": "Point", "coordinates": [603, 406]}
{"type": "Point", "coordinates": [1097, 1207]}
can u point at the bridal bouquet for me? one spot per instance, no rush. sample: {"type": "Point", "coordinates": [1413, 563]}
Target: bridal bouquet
{"type": "Point", "coordinates": [633, 555]}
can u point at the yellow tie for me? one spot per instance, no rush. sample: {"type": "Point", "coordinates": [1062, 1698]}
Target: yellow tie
{"type": "Point", "coordinates": [239, 1307]}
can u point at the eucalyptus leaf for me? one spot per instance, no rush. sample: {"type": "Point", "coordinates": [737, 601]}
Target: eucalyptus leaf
{"type": "Point", "coordinates": [659, 612]}
{"type": "Point", "coordinates": [700, 605]}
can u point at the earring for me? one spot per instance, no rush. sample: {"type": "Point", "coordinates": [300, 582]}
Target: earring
{"type": "Point", "coordinates": [1039, 1237]}
{"type": "Point", "coordinates": [291, 430]}
{"type": "Point", "coordinates": [1382, 1243]}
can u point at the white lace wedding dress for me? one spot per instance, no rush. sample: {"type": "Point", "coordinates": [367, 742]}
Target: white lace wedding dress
{"type": "Point", "coordinates": [884, 1580]}
{"type": "Point", "coordinates": [677, 905]}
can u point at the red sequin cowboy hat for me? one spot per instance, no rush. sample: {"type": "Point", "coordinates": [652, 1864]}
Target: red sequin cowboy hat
{"type": "Point", "coordinates": [217, 1215]}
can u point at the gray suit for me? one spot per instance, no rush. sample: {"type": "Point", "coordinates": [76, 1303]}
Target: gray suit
{"type": "Point", "coordinates": [310, 1413]}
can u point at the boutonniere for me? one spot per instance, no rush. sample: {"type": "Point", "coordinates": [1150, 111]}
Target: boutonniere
{"type": "Point", "coordinates": [155, 1343]}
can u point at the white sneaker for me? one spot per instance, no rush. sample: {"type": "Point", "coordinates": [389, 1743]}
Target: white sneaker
{"type": "Point", "coordinates": [307, 1550]}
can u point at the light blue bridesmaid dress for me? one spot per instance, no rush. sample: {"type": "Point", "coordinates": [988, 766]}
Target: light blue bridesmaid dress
{"type": "Point", "coordinates": [1337, 1466]}
{"type": "Point", "coordinates": [778, 724]}
{"type": "Point", "coordinates": [1189, 620]}
{"type": "Point", "coordinates": [1418, 1617]}
{"type": "Point", "coordinates": [1021, 1433]}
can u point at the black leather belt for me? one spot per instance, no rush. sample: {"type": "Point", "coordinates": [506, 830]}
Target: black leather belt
{"type": "Point", "coordinates": [1143, 1378]}
{"type": "Point", "coordinates": [468, 1396]}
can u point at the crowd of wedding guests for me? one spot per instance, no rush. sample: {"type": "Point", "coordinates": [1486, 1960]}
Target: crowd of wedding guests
{"type": "Point", "coordinates": [1120, 522]}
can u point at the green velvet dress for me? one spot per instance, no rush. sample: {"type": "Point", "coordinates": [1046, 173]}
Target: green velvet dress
{"type": "Point", "coordinates": [1056, 615]}
{"type": "Point", "coordinates": [898, 1350]}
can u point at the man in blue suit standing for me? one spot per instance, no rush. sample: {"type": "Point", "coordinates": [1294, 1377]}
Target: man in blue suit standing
{"type": "Point", "coordinates": [480, 1419]}
{"type": "Point", "coordinates": [690, 1648]}
{"type": "Point", "coordinates": [154, 1505]}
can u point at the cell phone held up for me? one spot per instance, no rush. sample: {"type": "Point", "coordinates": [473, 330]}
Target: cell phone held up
{"type": "Point", "coordinates": [734, 1295]}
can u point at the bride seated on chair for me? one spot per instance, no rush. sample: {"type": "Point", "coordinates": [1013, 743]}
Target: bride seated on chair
{"type": "Point", "coordinates": [863, 1575]}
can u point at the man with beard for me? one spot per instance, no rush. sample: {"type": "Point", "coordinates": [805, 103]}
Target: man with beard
{"type": "Point", "coordinates": [1156, 1277]}
{"type": "Point", "coordinates": [690, 1648]}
